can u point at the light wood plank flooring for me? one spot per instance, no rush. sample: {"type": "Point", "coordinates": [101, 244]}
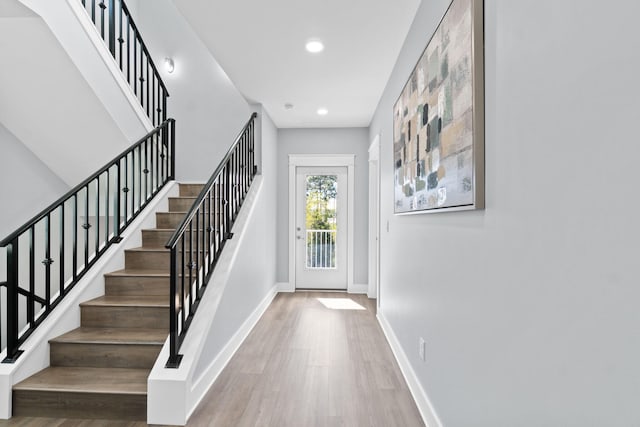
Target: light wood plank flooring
{"type": "Point", "coordinates": [303, 365]}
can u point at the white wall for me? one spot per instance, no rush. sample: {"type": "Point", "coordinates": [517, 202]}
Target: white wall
{"type": "Point", "coordinates": [48, 100]}
{"type": "Point", "coordinates": [529, 308]}
{"type": "Point", "coordinates": [324, 141]}
{"type": "Point", "coordinates": [27, 185]}
{"type": "Point", "coordinates": [208, 109]}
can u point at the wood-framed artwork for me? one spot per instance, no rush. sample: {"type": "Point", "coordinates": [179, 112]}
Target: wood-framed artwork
{"type": "Point", "coordinates": [438, 120]}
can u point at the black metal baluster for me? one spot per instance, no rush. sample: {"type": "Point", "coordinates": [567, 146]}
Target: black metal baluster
{"type": "Point", "coordinates": [182, 300]}
{"type": "Point", "coordinates": [117, 201]}
{"type": "Point", "coordinates": [173, 313]}
{"type": "Point", "coordinates": [86, 227]}
{"type": "Point", "coordinates": [97, 231]}
{"type": "Point", "coordinates": [135, 61]}
{"type": "Point", "coordinates": [191, 266]}
{"type": "Point", "coordinates": [47, 262]}
{"type": "Point", "coordinates": [129, 52]}
{"type": "Point", "coordinates": [102, 8]}
{"type": "Point", "coordinates": [165, 155]}
{"type": "Point", "coordinates": [32, 276]}
{"type": "Point", "coordinates": [125, 190]}
{"type": "Point", "coordinates": [173, 148]}
{"type": "Point", "coordinates": [140, 199]}
{"type": "Point", "coordinates": [141, 78]}
{"type": "Point", "coordinates": [62, 241]}
{"type": "Point", "coordinates": [146, 168]}
{"type": "Point", "coordinates": [112, 28]}
{"type": "Point", "coordinates": [209, 229]}
{"type": "Point", "coordinates": [154, 112]}
{"type": "Point", "coordinates": [106, 208]}
{"type": "Point", "coordinates": [75, 236]}
{"type": "Point", "coordinates": [120, 39]}
{"type": "Point", "coordinates": [157, 167]}
{"type": "Point", "coordinates": [197, 260]}
{"type": "Point", "coordinates": [147, 103]}
{"type": "Point", "coordinates": [164, 105]}
{"type": "Point", "coordinates": [131, 185]}
{"type": "Point", "coordinates": [93, 11]}
{"type": "Point", "coordinates": [12, 302]}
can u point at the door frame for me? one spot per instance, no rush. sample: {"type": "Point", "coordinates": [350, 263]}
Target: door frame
{"type": "Point", "coordinates": [321, 160]}
{"type": "Point", "coordinates": [374, 220]}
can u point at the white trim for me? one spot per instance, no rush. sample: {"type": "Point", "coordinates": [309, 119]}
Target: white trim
{"type": "Point", "coordinates": [425, 407]}
{"type": "Point", "coordinates": [331, 160]}
{"type": "Point", "coordinates": [66, 316]}
{"type": "Point", "coordinates": [211, 373]}
{"type": "Point", "coordinates": [374, 220]}
{"type": "Point", "coordinates": [358, 288]}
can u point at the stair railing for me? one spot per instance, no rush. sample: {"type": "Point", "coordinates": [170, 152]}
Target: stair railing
{"type": "Point", "coordinates": [49, 254]}
{"type": "Point", "coordinates": [198, 241]}
{"type": "Point", "coordinates": [113, 21]}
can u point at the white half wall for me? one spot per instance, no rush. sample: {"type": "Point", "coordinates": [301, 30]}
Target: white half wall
{"type": "Point", "coordinates": [529, 309]}
{"type": "Point", "coordinates": [325, 141]}
{"type": "Point", "coordinates": [241, 288]}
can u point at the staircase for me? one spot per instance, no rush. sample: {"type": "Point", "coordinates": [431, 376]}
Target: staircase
{"type": "Point", "coordinates": [100, 369]}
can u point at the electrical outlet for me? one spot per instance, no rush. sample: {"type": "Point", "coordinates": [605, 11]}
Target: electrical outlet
{"type": "Point", "coordinates": [421, 348]}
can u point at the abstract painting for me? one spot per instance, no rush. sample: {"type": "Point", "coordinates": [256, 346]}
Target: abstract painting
{"type": "Point", "coordinates": [438, 120]}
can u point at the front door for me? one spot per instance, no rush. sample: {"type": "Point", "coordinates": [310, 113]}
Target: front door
{"type": "Point", "coordinates": [321, 228]}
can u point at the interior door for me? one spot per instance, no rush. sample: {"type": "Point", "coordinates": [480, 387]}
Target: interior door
{"type": "Point", "coordinates": [321, 228]}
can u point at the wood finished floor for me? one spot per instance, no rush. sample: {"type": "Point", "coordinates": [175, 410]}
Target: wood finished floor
{"type": "Point", "coordinates": [303, 365]}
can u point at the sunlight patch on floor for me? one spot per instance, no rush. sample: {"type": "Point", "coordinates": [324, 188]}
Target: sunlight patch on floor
{"type": "Point", "coordinates": [340, 304]}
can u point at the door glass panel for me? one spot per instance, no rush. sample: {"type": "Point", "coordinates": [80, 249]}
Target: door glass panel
{"type": "Point", "coordinates": [321, 221]}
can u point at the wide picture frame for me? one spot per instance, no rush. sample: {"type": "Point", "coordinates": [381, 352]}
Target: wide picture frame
{"type": "Point", "coordinates": [438, 119]}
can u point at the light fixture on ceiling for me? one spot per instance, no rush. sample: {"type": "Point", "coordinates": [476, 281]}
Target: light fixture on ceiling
{"type": "Point", "coordinates": [288, 106]}
{"type": "Point", "coordinates": [322, 111]}
{"type": "Point", "coordinates": [169, 65]}
{"type": "Point", "coordinates": [314, 46]}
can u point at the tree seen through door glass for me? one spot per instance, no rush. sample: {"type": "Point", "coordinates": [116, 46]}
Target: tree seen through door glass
{"type": "Point", "coordinates": [321, 192]}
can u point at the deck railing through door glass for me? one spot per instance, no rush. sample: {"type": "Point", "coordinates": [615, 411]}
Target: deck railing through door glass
{"type": "Point", "coordinates": [321, 249]}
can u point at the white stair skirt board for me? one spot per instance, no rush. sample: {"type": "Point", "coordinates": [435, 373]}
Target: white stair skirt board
{"type": "Point", "coordinates": [173, 394]}
{"type": "Point", "coordinates": [66, 315]}
{"type": "Point", "coordinates": [427, 412]}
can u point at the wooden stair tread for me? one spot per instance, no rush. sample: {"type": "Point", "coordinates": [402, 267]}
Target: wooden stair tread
{"type": "Point", "coordinates": [87, 380]}
{"type": "Point", "coordinates": [129, 301]}
{"type": "Point", "coordinates": [137, 336]}
{"type": "Point", "coordinates": [126, 272]}
{"type": "Point", "coordinates": [148, 249]}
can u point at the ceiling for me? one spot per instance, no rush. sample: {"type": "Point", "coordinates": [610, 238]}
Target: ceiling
{"type": "Point", "coordinates": [261, 46]}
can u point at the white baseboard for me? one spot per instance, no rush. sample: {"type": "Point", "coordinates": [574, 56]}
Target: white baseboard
{"type": "Point", "coordinates": [206, 380]}
{"type": "Point", "coordinates": [285, 287]}
{"type": "Point", "coordinates": [358, 289]}
{"type": "Point", "coordinates": [427, 412]}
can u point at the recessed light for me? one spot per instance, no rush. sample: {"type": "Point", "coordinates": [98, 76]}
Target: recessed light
{"type": "Point", "coordinates": [288, 106]}
{"type": "Point", "coordinates": [314, 46]}
{"type": "Point", "coordinates": [322, 111]}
